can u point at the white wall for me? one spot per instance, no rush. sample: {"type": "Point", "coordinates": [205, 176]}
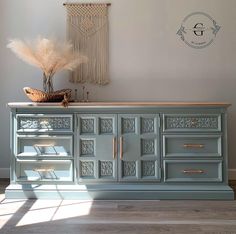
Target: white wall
{"type": "Point", "coordinates": [148, 61]}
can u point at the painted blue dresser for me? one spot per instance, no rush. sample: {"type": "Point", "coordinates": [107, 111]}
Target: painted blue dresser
{"type": "Point", "coordinates": [119, 150]}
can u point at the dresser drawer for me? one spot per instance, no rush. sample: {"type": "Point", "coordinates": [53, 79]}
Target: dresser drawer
{"type": "Point", "coordinates": [44, 146]}
{"type": "Point", "coordinates": [192, 122]}
{"type": "Point", "coordinates": [192, 171]}
{"type": "Point", "coordinates": [44, 123]}
{"type": "Point", "coordinates": [192, 146]}
{"type": "Point", "coordinates": [44, 170]}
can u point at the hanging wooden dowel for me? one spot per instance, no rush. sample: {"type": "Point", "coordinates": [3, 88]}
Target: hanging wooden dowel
{"type": "Point", "coordinates": [77, 3]}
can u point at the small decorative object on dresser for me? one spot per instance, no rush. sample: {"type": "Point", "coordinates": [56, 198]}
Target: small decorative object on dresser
{"type": "Point", "coordinates": [36, 95]}
{"type": "Point", "coordinates": [50, 56]}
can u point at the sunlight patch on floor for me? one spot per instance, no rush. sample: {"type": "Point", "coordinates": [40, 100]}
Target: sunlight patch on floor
{"type": "Point", "coordinates": [4, 219]}
{"type": "Point", "coordinates": [48, 210]}
{"type": "Point", "coordinates": [67, 210]}
{"type": "Point", "coordinates": [2, 196]}
{"type": "Point", "coordinates": [44, 204]}
{"type": "Point", "coordinates": [40, 211]}
{"type": "Point", "coordinates": [37, 216]}
{"type": "Point", "coordinates": [10, 206]}
{"type": "Point", "coordinates": [8, 209]}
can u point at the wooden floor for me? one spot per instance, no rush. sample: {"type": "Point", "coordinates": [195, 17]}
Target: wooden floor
{"type": "Point", "coordinates": [113, 217]}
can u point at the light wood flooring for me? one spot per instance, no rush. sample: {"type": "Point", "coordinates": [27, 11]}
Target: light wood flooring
{"type": "Point", "coordinates": [113, 217]}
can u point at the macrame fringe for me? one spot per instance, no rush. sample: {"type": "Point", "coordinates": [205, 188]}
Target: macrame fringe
{"type": "Point", "coordinates": [87, 29]}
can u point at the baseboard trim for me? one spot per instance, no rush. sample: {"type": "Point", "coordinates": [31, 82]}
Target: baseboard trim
{"type": "Point", "coordinates": [120, 192]}
{"type": "Point", "coordinates": [4, 172]}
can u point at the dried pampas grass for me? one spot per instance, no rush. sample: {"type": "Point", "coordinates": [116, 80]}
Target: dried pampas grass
{"type": "Point", "coordinates": [50, 55]}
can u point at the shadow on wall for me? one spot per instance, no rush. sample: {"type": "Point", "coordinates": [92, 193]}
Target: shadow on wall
{"type": "Point", "coordinates": [137, 89]}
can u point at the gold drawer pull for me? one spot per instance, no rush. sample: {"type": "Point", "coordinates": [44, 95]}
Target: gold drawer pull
{"type": "Point", "coordinates": [195, 146]}
{"type": "Point", "coordinates": [43, 145]}
{"type": "Point", "coordinates": [44, 169]}
{"type": "Point", "coordinates": [192, 171]}
{"type": "Point", "coordinates": [114, 147]}
{"type": "Point", "coordinates": [45, 172]}
{"type": "Point", "coordinates": [39, 148]}
{"type": "Point", "coordinates": [121, 148]}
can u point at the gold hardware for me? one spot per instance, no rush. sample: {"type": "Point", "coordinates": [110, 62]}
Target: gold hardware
{"type": "Point", "coordinates": [121, 148]}
{"type": "Point", "coordinates": [44, 169]}
{"type": "Point", "coordinates": [46, 173]}
{"type": "Point", "coordinates": [114, 147]}
{"type": "Point", "coordinates": [41, 149]}
{"type": "Point", "coordinates": [43, 145]}
{"type": "Point", "coordinates": [192, 171]}
{"type": "Point", "coordinates": [196, 146]}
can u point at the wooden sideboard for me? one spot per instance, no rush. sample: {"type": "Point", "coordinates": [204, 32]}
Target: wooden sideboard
{"type": "Point", "coordinates": [119, 150]}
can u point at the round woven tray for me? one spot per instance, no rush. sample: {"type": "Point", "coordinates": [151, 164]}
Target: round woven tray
{"type": "Point", "coordinates": [36, 95]}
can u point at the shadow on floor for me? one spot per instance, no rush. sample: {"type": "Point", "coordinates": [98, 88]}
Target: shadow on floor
{"type": "Point", "coordinates": [109, 217]}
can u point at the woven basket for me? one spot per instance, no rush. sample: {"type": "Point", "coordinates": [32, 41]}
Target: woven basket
{"type": "Point", "coordinates": [36, 95]}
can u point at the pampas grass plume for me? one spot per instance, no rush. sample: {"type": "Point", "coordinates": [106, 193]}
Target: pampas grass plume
{"type": "Point", "coordinates": [50, 55]}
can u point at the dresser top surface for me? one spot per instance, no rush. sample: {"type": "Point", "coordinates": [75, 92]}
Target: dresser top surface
{"type": "Point", "coordinates": [117, 104]}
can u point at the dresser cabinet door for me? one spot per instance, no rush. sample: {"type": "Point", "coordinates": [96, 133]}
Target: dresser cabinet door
{"type": "Point", "coordinates": [97, 147]}
{"type": "Point", "coordinates": [138, 147]}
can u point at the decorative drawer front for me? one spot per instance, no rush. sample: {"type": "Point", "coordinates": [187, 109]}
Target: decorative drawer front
{"type": "Point", "coordinates": [44, 170]}
{"type": "Point", "coordinates": [192, 146]}
{"type": "Point", "coordinates": [192, 171]}
{"type": "Point", "coordinates": [192, 122]}
{"type": "Point", "coordinates": [44, 146]}
{"type": "Point", "coordinates": [44, 123]}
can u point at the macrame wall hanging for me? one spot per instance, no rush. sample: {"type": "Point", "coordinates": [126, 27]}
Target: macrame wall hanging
{"type": "Point", "coordinates": [87, 29]}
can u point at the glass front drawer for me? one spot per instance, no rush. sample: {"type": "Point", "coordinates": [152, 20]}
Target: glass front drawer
{"type": "Point", "coordinates": [44, 146]}
{"type": "Point", "coordinates": [192, 146]}
{"type": "Point", "coordinates": [44, 170]}
{"type": "Point", "coordinates": [192, 122]}
{"type": "Point", "coordinates": [192, 171]}
{"type": "Point", "coordinates": [44, 123]}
